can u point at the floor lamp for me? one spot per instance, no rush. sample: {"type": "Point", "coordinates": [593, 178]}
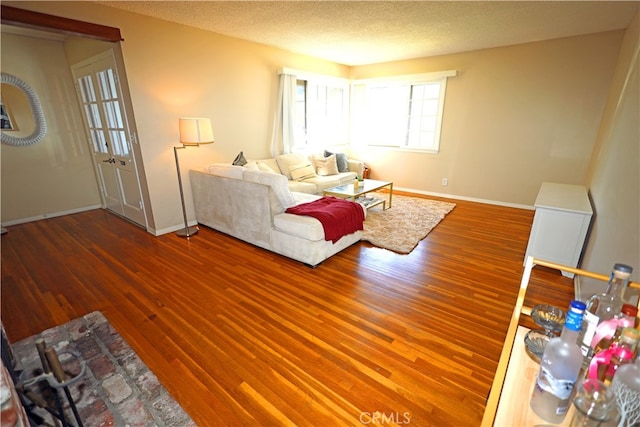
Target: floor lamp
{"type": "Point", "coordinates": [193, 132]}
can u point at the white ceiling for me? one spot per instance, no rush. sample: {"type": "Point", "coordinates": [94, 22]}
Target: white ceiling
{"type": "Point", "coordinates": [365, 32]}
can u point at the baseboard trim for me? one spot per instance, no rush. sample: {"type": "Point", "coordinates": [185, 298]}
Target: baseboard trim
{"type": "Point", "coordinates": [49, 215]}
{"type": "Point", "coordinates": [468, 199]}
{"type": "Point", "coordinates": [85, 209]}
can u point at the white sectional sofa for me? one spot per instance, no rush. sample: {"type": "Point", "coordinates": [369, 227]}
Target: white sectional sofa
{"type": "Point", "coordinates": [250, 205]}
{"type": "Point", "coordinates": [309, 174]}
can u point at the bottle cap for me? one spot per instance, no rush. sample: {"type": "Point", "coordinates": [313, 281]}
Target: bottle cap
{"type": "Point", "coordinates": [577, 306]}
{"type": "Point", "coordinates": [629, 310]}
{"type": "Point", "coordinates": [573, 321]}
{"type": "Point", "coordinates": [622, 270]}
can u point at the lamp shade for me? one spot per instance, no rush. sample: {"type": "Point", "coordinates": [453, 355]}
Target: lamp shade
{"type": "Point", "coordinates": [194, 131]}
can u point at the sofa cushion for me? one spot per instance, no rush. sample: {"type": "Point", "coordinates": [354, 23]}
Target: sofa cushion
{"type": "Point", "coordinates": [223, 169]}
{"type": "Point", "coordinates": [297, 225]}
{"type": "Point", "coordinates": [302, 171]}
{"type": "Point", "coordinates": [285, 161]}
{"type": "Point", "coordinates": [265, 168]}
{"type": "Point", "coordinates": [326, 165]}
{"type": "Point", "coordinates": [303, 187]}
{"type": "Point", "coordinates": [339, 217]}
{"type": "Point", "coordinates": [305, 227]}
{"type": "Point", "coordinates": [304, 197]}
{"type": "Point", "coordinates": [341, 159]}
{"type": "Point", "coordinates": [325, 182]}
{"type": "Point", "coordinates": [277, 182]}
{"type": "Point", "coordinates": [268, 165]}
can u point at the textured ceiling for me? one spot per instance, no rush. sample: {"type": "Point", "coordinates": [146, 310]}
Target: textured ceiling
{"type": "Point", "coordinates": [365, 32]}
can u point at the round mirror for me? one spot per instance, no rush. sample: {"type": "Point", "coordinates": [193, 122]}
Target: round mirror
{"type": "Point", "coordinates": [40, 125]}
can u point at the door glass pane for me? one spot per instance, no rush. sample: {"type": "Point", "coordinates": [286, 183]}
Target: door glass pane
{"type": "Point", "coordinates": [113, 115]}
{"type": "Point", "coordinates": [107, 84]}
{"type": "Point", "coordinates": [92, 114]}
{"type": "Point", "coordinates": [119, 143]}
{"type": "Point", "coordinates": [112, 111]}
{"type": "Point", "coordinates": [86, 89]}
{"type": "Point", "coordinates": [98, 141]}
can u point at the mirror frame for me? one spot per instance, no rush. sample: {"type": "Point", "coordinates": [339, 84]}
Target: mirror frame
{"type": "Point", "coordinates": [36, 110]}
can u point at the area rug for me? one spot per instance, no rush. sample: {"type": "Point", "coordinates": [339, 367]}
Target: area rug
{"type": "Point", "coordinates": [402, 227]}
{"type": "Point", "coordinates": [117, 388]}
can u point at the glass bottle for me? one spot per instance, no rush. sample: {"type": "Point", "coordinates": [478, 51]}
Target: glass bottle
{"type": "Point", "coordinates": [609, 331]}
{"type": "Point", "coordinates": [559, 368]}
{"type": "Point", "coordinates": [603, 307]}
{"type": "Point", "coordinates": [595, 404]}
{"type": "Point", "coordinates": [626, 389]}
{"type": "Point", "coordinates": [604, 365]}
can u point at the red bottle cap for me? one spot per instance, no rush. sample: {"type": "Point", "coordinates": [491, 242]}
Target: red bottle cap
{"type": "Point", "coordinates": [629, 310]}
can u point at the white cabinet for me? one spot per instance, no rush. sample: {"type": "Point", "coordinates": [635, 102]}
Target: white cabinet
{"type": "Point", "coordinates": [560, 224]}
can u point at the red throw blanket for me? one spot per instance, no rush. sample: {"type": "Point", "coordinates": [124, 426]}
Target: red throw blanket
{"type": "Point", "coordinates": [339, 217]}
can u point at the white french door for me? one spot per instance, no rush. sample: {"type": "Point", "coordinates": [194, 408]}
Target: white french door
{"type": "Point", "coordinates": [109, 137]}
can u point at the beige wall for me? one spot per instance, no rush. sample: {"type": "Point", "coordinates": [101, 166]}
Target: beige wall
{"type": "Point", "coordinates": [54, 176]}
{"type": "Point", "coordinates": [614, 173]}
{"type": "Point", "coordinates": [176, 71]}
{"type": "Point", "coordinates": [514, 117]}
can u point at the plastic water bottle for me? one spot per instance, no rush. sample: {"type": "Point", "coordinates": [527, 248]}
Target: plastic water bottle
{"type": "Point", "coordinates": [559, 369]}
{"type": "Point", "coordinates": [603, 307]}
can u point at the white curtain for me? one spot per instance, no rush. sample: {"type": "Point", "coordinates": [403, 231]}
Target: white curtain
{"type": "Point", "coordinates": [282, 140]}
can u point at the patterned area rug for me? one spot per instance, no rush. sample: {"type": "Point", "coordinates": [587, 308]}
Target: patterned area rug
{"type": "Point", "coordinates": [117, 388]}
{"type": "Point", "coordinates": [409, 220]}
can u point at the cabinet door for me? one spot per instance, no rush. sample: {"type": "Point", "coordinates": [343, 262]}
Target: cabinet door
{"type": "Point", "coordinates": [557, 236]}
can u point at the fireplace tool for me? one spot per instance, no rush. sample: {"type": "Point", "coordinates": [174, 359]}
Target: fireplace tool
{"type": "Point", "coordinates": [54, 376]}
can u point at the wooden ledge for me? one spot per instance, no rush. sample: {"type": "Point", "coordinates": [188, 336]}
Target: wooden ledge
{"type": "Point", "coordinates": [42, 21]}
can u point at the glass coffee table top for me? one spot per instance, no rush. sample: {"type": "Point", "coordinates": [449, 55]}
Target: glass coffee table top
{"type": "Point", "coordinates": [350, 191]}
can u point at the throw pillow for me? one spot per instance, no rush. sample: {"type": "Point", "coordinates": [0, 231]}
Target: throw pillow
{"type": "Point", "coordinates": [264, 167]}
{"type": "Point", "coordinates": [253, 165]}
{"type": "Point", "coordinates": [239, 160]}
{"type": "Point", "coordinates": [285, 161]}
{"type": "Point", "coordinates": [302, 171]}
{"type": "Point", "coordinates": [341, 159]}
{"type": "Point", "coordinates": [327, 165]}
{"type": "Point", "coordinates": [226, 170]}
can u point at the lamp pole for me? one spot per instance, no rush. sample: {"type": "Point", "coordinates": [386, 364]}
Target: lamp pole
{"type": "Point", "coordinates": [193, 131]}
{"type": "Point", "coordinates": [188, 231]}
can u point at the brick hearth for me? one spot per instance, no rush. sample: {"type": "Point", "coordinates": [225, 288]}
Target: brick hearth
{"type": "Point", "coordinates": [117, 389]}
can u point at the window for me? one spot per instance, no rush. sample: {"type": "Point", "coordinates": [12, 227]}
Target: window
{"type": "Point", "coordinates": [300, 116]}
{"type": "Point", "coordinates": [402, 112]}
{"type": "Point", "coordinates": [322, 112]}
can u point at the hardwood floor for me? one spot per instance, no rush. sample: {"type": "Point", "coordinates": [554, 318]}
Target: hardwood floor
{"type": "Point", "coordinates": [241, 336]}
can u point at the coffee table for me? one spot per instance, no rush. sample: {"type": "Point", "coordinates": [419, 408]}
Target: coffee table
{"type": "Point", "coordinates": [349, 191]}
